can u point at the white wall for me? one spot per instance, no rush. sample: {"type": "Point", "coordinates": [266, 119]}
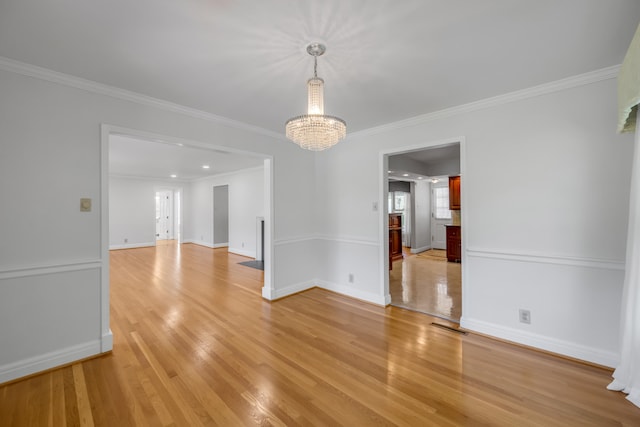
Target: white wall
{"type": "Point", "coordinates": [421, 229]}
{"type": "Point", "coordinates": [551, 163]}
{"type": "Point", "coordinates": [246, 203]}
{"type": "Point", "coordinates": [545, 199]}
{"type": "Point", "coordinates": [132, 211]}
{"type": "Point", "coordinates": [50, 136]}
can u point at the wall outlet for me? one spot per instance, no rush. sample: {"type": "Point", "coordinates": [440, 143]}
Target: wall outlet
{"type": "Point", "coordinates": [525, 316]}
{"type": "Point", "coordinates": [243, 244]}
{"type": "Point", "coordinates": [126, 240]}
{"type": "Point", "coordinates": [350, 277]}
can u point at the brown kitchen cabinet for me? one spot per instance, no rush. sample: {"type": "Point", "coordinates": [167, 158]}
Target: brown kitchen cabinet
{"type": "Point", "coordinates": [454, 193]}
{"type": "Point", "coordinates": [454, 243]}
{"type": "Point", "coordinates": [395, 237]}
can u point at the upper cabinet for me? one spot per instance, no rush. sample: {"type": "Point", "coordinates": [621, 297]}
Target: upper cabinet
{"type": "Point", "coordinates": [454, 193]}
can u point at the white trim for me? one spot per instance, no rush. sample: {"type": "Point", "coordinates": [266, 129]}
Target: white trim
{"type": "Point", "coordinates": [355, 293]}
{"type": "Point", "coordinates": [132, 246]}
{"type": "Point", "coordinates": [289, 290]}
{"type": "Point", "coordinates": [292, 240]}
{"type": "Point", "coordinates": [32, 365]}
{"type": "Point", "coordinates": [350, 240]}
{"type": "Point", "coordinates": [540, 258]}
{"type": "Point", "coordinates": [566, 348]}
{"type": "Point", "coordinates": [199, 243]}
{"type": "Point", "coordinates": [329, 286]}
{"type": "Point", "coordinates": [126, 95]}
{"type": "Point", "coordinates": [225, 174]}
{"type": "Point", "coordinates": [220, 245]}
{"type": "Point", "coordinates": [418, 250]}
{"type": "Point", "coordinates": [543, 89]}
{"type": "Point", "coordinates": [249, 254]}
{"type": "Point", "coordinates": [41, 270]}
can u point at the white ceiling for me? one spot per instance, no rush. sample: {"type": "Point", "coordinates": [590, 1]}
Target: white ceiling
{"type": "Point", "coordinates": [136, 157]}
{"type": "Point", "coordinates": [386, 60]}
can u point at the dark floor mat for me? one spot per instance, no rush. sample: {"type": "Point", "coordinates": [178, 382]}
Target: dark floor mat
{"type": "Point", "coordinates": [254, 264]}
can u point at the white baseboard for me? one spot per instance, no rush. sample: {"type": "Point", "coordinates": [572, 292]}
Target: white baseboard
{"type": "Point", "coordinates": [199, 243]}
{"type": "Point", "coordinates": [565, 348]}
{"type": "Point", "coordinates": [132, 245]}
{"type": "Point", "coordinates": [272, 294]}
{"type": "Point", "coordinates": [418, 250]}
{"type": "Point", "coordinates": [220, 245]}
{"type": "Point", "coordinates": [22, 368]}
{"type": "Point", "coordinates": [107, 342]}
{"type": "Point", "coordinates": [250, 254]}
{"type": "Point", "coordinates": [354, 293]}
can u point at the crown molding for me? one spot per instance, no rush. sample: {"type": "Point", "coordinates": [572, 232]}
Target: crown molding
{"type": "Point", "coordinates": [46, 74]}
{"type": "Point", "coordinates": [29, 70]}
{"type": "Point", "coordinates": [543, 89]}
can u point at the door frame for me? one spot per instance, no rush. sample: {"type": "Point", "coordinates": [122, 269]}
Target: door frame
{"type": "Point", "coordinates": [106, 130]}
{"type": "Point", "coordinates": [433, 219]}
{"type": "Point", "coordinates": [383, 214]}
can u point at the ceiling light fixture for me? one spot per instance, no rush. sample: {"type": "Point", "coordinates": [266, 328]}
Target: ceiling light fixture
{"type": "Point", "coordinates": [205, 166]}
{"type": "Point", "coordinates": [173, 175]}
{"type": "Point", "coordinates": [315, 131]}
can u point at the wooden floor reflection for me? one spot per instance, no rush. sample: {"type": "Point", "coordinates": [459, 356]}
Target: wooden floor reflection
{"type": "Point", "coordinates": [427, 284]}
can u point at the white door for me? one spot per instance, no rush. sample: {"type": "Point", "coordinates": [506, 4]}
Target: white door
{"type": "Point", "coordinates": [164, 212]}
{"type": "Point", "coordinates": [440, 214]}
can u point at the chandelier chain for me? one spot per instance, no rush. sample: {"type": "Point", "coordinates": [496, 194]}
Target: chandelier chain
{"type": "Point", "coordinates": [315, 66]}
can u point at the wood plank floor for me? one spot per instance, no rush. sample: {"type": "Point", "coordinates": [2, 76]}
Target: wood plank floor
{"type": "Point", "coordinates": [195, 344]}
{"type": "Point", "coordinates": [428, 284]}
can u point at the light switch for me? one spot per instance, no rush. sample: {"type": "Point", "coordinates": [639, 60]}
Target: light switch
{"type": "Point", "coordinates": [85, 205]}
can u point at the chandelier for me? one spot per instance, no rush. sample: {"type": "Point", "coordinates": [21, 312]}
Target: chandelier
{"type": "Point", "coordinates": [315, 131]}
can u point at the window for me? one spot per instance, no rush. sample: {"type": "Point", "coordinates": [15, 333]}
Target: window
{"type": "Point", "coordinates": [441, 196]}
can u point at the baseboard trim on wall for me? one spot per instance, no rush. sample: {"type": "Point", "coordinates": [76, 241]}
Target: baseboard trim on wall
{"type": "Point", "coordinates": [33, 365]}
{"type": "Point", "coordinates": [249, 254]}
{"type": "Point", "coordinates": [132, 246]}
{"type": "Point", "coordinates": [418, 250]}
{"type": "Point", "coordinates": [220, 245]}
{"type": "Point", "coordinates": [275, 294]}
{"type": "Point", "coordinates": [354, 293]}
{"type": "Point", "coordinates": [546, 259]}
{"type": "Point", "coordinates": [199, 243]}
{"type": "Point", "coordinates": [559, 347]}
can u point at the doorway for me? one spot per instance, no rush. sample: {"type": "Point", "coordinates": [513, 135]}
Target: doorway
{"type": "Point", "coordinates": [164, 215]}
{"type": "Point", "coordinates": [423, 279]}
{"type": "Point", "coordinates": [220, 216]}
{"type": "Point", "coordinates": [145, 204]}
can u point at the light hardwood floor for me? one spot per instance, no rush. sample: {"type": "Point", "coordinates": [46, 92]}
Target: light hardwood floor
{"type": "Point", "coordinates": [195, 344]}
{"type": "Point", "coordinates": [428, 284]}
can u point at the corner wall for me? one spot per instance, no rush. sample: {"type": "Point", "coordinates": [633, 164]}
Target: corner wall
{"type": "Point", "coordinates": [545, 195]}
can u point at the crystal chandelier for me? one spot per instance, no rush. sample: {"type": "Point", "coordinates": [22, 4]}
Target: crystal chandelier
{"type": "Point", "coordinates": [315, 131]}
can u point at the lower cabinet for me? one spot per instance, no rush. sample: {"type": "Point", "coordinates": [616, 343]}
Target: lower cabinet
{"type": "Point", "coordinates": [395, 237]}
{"type": "Point", "coordinates": [454, 243]}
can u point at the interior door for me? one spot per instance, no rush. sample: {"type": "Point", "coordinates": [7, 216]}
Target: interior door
{"type": "Point", "coordinates": [440, 214]}
{"type": "Point", "coordinates": [164, 222]}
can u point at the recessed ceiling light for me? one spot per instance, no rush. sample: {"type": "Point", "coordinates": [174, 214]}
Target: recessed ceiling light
{"type": "Point", "coordinates": [405, 174]}
{"type": "Point", "coordinates": [419, 177]}
{"type": "Point", "coordinates": [173, 175]}
{"type": "Point", "coordinates": [434, 180]}
{"type": "Point", "coordinates": [205, 166]}
{"type": "Point", "coordinates": [390, 171]}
